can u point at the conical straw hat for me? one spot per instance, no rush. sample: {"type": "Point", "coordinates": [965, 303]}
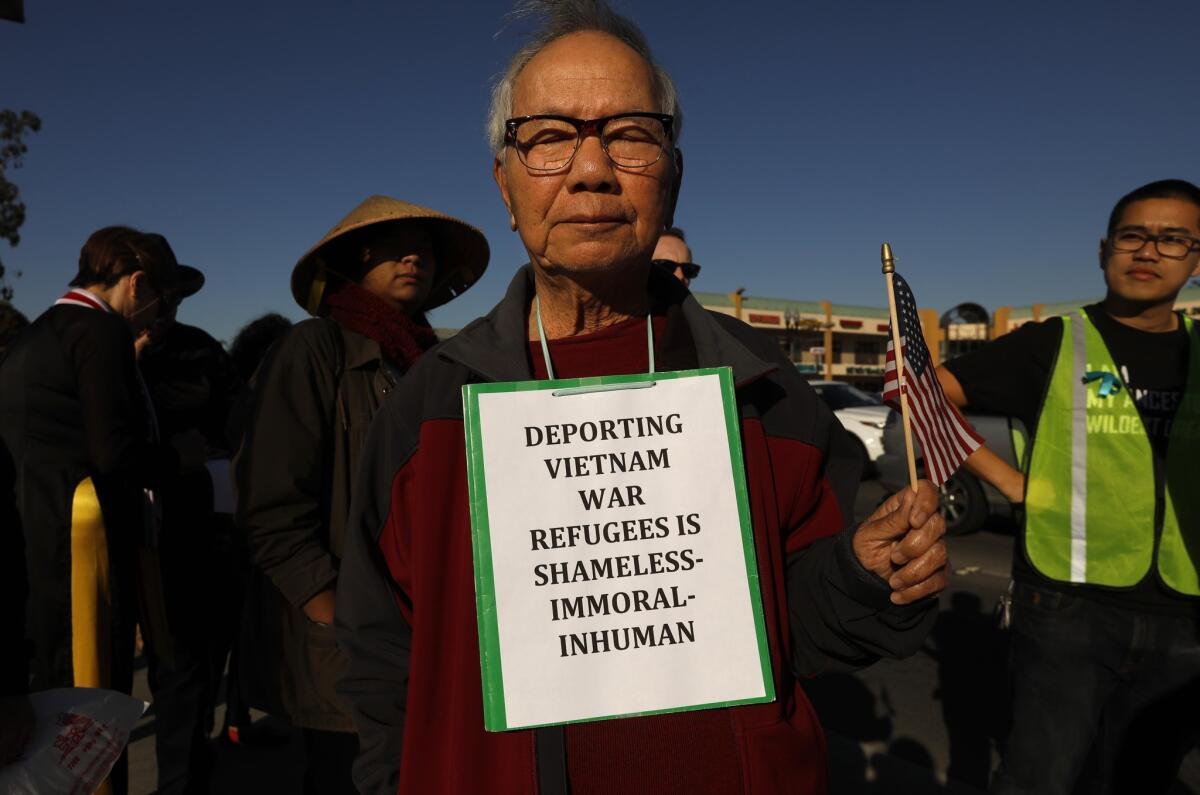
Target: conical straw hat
{"type": "Point", "coordinates": [461, 250]}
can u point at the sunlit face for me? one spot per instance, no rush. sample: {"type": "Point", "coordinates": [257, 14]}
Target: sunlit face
{"type": "Point", "coordinates": [400, 266]}
{"type": "Point", "coordinates": [1145, 276]}
{"type": "Point", "coordinates": [592, 215]}
{"type": "Point", "coordinates": [672, 248]}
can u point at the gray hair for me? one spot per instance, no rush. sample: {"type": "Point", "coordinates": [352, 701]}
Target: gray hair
{"type": "Point", "coordinates": [562, 18]}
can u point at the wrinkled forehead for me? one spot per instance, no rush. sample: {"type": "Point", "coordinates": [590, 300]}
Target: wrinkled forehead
{"type": "Point", "coordinates": [585, 74]}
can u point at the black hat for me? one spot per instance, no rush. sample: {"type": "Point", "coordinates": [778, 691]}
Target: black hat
{"type": "Point", "coordinates": [188, 280]}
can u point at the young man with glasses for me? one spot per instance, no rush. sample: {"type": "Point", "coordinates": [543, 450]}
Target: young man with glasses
{"type": "Point", "coordinates": [673, 255]}
{"type": "Point", "coordinates": [1105, 652]}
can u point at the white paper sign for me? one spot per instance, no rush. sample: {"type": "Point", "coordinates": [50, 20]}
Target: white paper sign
{"type": "Point", "coordinates": [614, 558]}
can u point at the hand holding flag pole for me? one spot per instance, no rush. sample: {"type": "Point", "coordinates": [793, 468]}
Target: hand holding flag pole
{"type": "Point", "coordinates": [901, 542]}
{"type": "Point", "coordinates": [889, 268]}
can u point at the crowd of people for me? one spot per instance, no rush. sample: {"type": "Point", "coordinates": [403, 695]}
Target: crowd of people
{"type": "Point", "coordinates": [294, 514]}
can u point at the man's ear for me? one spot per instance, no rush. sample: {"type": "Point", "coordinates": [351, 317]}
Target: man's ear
{"type": "Point", "coordinates": [502, 183]}
{"type": "Point", "coordinates": [1103, 246]}
{"type": "Point", "coordinates": [137, 283]}
{"type": "Point", "coordinates": [677, 157]}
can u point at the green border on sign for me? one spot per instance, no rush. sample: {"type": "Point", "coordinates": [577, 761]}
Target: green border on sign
{"type": "Point", "coordinates": [491, 666]}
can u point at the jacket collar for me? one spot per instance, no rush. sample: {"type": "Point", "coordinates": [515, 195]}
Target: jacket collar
{"type": "Point", "coordinates": [360, 349]}
{"type": "Point", "coordinates": [78, 296]}
{"type": "Point", "coordinates": [496, 346]}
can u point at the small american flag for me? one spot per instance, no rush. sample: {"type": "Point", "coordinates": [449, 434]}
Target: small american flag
{"type": "Point", "coordinates": [946, 438]}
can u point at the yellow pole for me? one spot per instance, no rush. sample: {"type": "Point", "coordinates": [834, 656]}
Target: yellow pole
{"type": "Point", "coordinates": [827, 339]}
{"type": "Point", "coordinates": [889, 267]}
{"type": "Point", "coordinates": [736, 298]}
{"type": "Point", "coordinates": [1000, 321]}
{"type": "Point", "coordinates": [932, 331]}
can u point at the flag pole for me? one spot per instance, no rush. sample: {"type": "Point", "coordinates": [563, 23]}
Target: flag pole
{"type": "Point", "coordinates": [889, 267]}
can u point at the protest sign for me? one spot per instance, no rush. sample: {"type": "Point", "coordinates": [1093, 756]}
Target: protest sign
{"type": "Point", "coordinates": [614, 559]}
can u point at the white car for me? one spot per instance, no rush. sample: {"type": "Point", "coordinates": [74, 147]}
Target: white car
{"type": "Point", "coordinates": [861, 413]}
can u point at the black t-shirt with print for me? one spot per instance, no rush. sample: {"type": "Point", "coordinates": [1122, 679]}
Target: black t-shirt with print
{"type": "Point", "coordinates": [1010, 377]}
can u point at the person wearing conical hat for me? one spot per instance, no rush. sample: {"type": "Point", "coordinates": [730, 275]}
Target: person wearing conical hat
{"type": "Point", "coordinates": [368, 284]}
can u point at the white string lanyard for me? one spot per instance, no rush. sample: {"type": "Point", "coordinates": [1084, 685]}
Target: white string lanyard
{"type": "Point", "coordinates": [581, 390]}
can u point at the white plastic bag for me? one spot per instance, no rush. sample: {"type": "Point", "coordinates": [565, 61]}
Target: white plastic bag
{"type": "Point", "coordinates": [78, 736]}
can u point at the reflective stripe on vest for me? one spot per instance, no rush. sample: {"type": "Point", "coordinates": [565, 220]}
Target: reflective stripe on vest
{"type": "Point", "coordinates": [1090, 493]}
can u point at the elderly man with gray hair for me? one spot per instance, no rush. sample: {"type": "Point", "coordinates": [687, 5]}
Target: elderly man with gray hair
{"type": "Point", "coordinates": [584, 126]}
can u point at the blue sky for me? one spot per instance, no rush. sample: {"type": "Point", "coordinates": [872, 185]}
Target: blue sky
{"type": "Point", "coordinates": [987, 141]}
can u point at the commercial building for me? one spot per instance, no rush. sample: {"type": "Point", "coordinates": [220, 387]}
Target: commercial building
{"type": "Point", "coordinates": [847, 342]}
{"type": "Point", "coordinates": [825, 340]}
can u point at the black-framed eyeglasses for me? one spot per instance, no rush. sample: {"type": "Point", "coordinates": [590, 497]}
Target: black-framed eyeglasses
{"type": "Point", "coordinates": [690, 269]}
{"type": "Point", "coordinates": [548, 142]}
{"type": "Point", "coordinates": [1169, 246]}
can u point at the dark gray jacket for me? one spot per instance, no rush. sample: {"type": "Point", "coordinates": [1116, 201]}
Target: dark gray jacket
{"type": "Point", "coordinates": [314, 398]}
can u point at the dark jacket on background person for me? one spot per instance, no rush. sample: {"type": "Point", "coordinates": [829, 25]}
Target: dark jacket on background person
{"type": "Point", "coordinates": [406, 611]}
{"type": "Point", "coordinates": [193, 385]}
{"type": "Point", "coordinates": [314, 397]}
{"type": "Point", "coordinates": [14, 582]}
{"type": "Point", "coordinates": [72, 410]}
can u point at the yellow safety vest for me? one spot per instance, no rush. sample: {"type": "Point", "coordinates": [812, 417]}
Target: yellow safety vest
{"type": "Point", "coordinates": [1090, 492]}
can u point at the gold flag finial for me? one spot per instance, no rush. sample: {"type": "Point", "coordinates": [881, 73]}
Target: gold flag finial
{"type": "Point", "coordinates": [889, 262]}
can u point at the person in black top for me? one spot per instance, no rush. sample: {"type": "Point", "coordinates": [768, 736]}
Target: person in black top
{"type": "Point", "coordinates": [1107, 658]}
{"type": "Point", "coordinates": [193, 385]}
{"type": "Point", "coordinates": [248, 349]}
{"type": "Point", "coordinates": [76, 425]}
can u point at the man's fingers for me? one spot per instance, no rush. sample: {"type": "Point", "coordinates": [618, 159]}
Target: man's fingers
{"type": "Point", "coordinates": [919, 539]}
{"type": "Point", "coordinates": [921, 552]}
{"type": "Point", "coordinates": [927, 587]}
{"type": "Point", "coordinates": [924, 503]}
{"type": "Point", "coordinates": [903, 510]}
{"type": "Point", "coordinates": [923, 567]}
{"type": "Point", "coordinates": [889, 525]}
{"type": "Point", "coordinates": [887, 539]}
{"type": "Point", "coordinates": [889, 506]}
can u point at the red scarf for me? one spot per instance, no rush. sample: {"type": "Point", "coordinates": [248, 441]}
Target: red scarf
{"type": "Point", "coordinates": [401, 338]}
